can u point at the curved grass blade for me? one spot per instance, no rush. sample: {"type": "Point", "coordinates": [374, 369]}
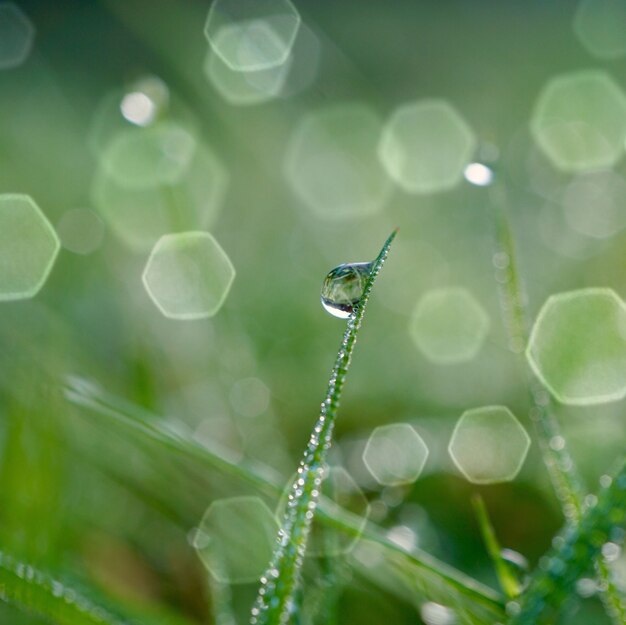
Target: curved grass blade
{"type": "Point", "coordinates": [416, 582]}
{"type": "Point", "coordinates": [36, 592]}
{"type": "Point", "coordinates": [410, 574]}
{"type": "Point", "coordinates": [577, 548]}
{"type": "Point", "coordinates": [509, 584]}
{"type": "Point", "coordinates": [275, 603]}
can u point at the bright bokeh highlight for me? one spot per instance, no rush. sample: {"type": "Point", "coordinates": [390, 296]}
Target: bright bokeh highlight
{"type": "Point", "coordinates": [140, 215]}
{"type": "Point", "coordinates": [600, 25]}
{"type": "Point", "coordinates": [245, 88]}
{"type": "Point", "coordinates": [81, 230]}
{"type": "Point", "coordinates": [141, 103]}
{"type": "Point", "coordinates": [579, 121]}
{"type": "Point", "coordinates": [436, 614]}
{"type": "Point", "coordinates": [427, 146]}
{"type": "Point", "coordinates": [235, 539]}
{"type": "Point", "coordinates": [478, 174]}
{"type": "Point", "coordinates": [251, 35]}
{"type": "Point", "coordinates": [28, 247]}
{"type": "Point", "coordinates": [489, 445]}
{"type": "Point", "coordinates": [594, 204]}
{"type": "Point", "coordinates": [395, 454]}
{"type": "Point", "coordinates": [155, 155]}
{"type": "Point", "coordinates": [188, 275]}
{"type": "Point", "coordinates": [449, 325]}
{"type": "Point", "coordinates": [331, 162]}
{"type": "Point", "coordinates": [577, 346]}
{"type": "Point", "coordinates": [16, 36]}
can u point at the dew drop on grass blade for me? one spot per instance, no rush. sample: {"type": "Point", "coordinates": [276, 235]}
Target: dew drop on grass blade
{"type": "Point", "coordinates": [275, 601]}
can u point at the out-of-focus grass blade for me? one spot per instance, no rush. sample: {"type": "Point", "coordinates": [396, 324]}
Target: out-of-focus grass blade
{"type": "Point", "coordinates": [275, 601]}
{"type": "Point", "coordinates": [576, 549]}
{"type": "Point", "coordinates": [508, 583]}
{"type": "Point", "coordinates": [409, 576]}
{"type": "Point", "coordinates": [418, 579]}
{"type": "Point", "coordinates": [41, 594]}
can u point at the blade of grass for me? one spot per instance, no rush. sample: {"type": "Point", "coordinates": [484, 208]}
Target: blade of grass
{"type": "Point", "coordinates": [37, 592]}
{"type": "Point", "coordinates": [577, 547]}
{"type": "Point", "coordinates": [509, 584]}
{"type": "Point", "coordinates": [275, 601]}
{"type": "Point", "coordinates": [557, 459]}
{"type": "Point", "coordinates": [416, 572]}
{"type": "Point", "coordinates": [396, 573]}
{"type": "Point", "coordinates": [560, 465]}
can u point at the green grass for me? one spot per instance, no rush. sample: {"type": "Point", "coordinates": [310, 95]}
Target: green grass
{"type": "Point", "coordinates": [413, 577]}
{"type": "Point", "coordinates": [558, 461]}
{"type": "Point", "coordinates": [276, 601]}
{"type": "Point", "coordinates": [120, 428]}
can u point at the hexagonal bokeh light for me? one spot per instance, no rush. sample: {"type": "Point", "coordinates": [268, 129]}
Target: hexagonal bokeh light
{"type": "Point", "coordinates": [341, 495]}
{"type": "Point", "coordinates": [140, 215]}
{"type": "Point", "coordinates": [600, 25]}
{"type": "Point", "coordinates": [426, 146]}
{"type": "Point", "coordinates": [331, 162]}
{"type": "Point", "coordinates": [143, 102]}
{"type": "Point", "coordinates": [489, 445]}
{"type": "Point", "coordinates": [235, 539]}
{"type": "Point", "coordinates": [80, 230]}
{"type": "Point", "coordinates": [16, 36]}
{"type": "Point", "coordinates": [579, 121]}
{"type": "Point", "coordinates": [28, 247]}
{"type": "Point", "coordinates": [158, 154]}
{"type": "Point", "coordinates": [577, 346]}
{"type": "Point", "coordinates": [188, 275]}
{"type": "Point", "coordinates": [245, 88]}
{"type": "Point", "coordinates": [250, 35]}
{"type": "Point", "coordinates": [249, 397]}
{"type": "Point", "coordinates": [594, 204]}
{"type": "Point", "coordinates": [395, 454]}
{"type": "Point", "coordinates": [449, 325]}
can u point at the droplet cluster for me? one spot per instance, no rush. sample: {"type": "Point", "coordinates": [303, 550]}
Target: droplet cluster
{"type": "Point", "coordinates": [21, 583]}
{"type": "Point", "coordinates": [513, 301]}
{"type": "Point", "coordinates": [573, 553]}
{"type": "Point", "coordinates": [275, 601]}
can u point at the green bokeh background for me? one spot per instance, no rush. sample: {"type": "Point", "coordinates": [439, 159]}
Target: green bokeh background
{"type": "Point", "coordinates": [67, 499]}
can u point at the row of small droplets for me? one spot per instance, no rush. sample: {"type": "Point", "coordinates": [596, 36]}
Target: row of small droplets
{"type": "Point", "coordinates": [513, 303]}
{"type": "Point", "coordinates": [556, 457]}
{"type": "Point", "coordinates": [281, 578]}
{"type": "Point", "coordinates": [302, 499]}
{"type": "Point", "coordinates": [573, 552]}
{"type": "Point", "coordinates": [34, 581]}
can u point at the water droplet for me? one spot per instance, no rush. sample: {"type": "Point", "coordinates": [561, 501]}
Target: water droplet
{"type": "Point", "coordinates": [610, 552]}
{"type": "Point", "coordinates": [586, 587]}
{"type": "Point", "coordinates": [605, 481]}
{"type": "Point", "coordinates": [515, 560]}
{"type": "Point", "coordinates": [343, 288]}
{"type": "Point", "coordinates": [436, 614]}
{"type": "Point", "coordinates": [590, 500]}
{"type": "Point", "coordinates": [557, 443]}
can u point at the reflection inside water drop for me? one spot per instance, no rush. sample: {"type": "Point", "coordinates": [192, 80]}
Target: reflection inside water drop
{"type": "Point", "coordinates": [343, 288]}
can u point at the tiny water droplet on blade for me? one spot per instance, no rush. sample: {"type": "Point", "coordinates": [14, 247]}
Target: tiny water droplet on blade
{"type": "Point", "coordinates": [343, 288]}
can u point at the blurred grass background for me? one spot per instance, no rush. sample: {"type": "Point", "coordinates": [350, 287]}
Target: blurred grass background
{"type": "Point", "coordinates": [70, 489]}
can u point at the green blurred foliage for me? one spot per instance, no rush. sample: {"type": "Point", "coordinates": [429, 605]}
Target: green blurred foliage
{"type": "Point", "coordinates": [79, 494]}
